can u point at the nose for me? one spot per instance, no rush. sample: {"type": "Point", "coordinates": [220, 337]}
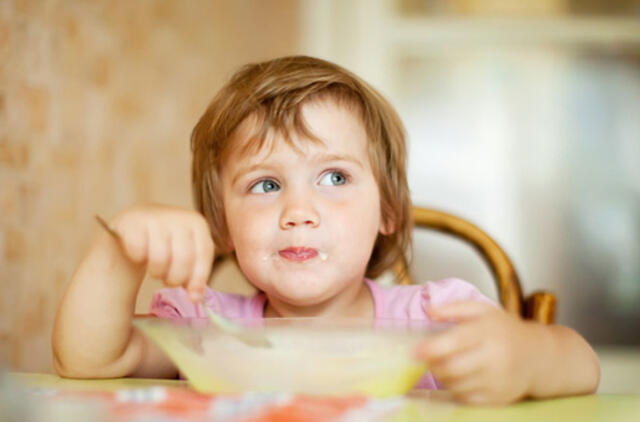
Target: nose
{"type": "Point", "coordinates": [298, 212]}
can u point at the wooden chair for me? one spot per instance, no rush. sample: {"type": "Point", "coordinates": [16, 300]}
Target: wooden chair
{"type": "Point", "coordinates": [539, 306]}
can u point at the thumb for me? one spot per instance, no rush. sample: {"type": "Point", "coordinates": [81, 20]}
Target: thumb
{"type": "Point", "coordinates": [459, 311]}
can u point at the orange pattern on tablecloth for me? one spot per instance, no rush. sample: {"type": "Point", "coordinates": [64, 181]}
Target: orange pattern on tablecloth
{"type": "Point", "coordinates": [172, 404]}
{"type": "Point", "coordinates": [178, 402]}
{"type": "Point", "coordinates": [310, 409]}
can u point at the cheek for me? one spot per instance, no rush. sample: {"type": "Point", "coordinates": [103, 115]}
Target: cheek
{"type": "Point", "coordinates": [248, 229]}
{"type": "Point", "coordinates": [362, 213]}
{"type": "Point", "coordinates": [357, 225]}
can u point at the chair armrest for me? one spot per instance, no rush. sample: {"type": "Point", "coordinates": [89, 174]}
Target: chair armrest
{"type": "Point", "coordinates": [540, 306]}
{"type": "Point", "coordinates": [505, 275]}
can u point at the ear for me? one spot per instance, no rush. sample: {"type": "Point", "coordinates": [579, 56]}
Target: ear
{"type": "Point", "coordinates": [226, 243]}
{"type": "Point", "coordinates": [387, 225]}
{"type": "Point", "coordinates": [229, 244]}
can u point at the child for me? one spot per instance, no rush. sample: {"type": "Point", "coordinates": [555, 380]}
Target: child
{"type": "Point", "coordinates": [299, 169]}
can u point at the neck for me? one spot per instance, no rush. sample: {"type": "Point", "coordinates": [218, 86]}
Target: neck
{"type": "Point", "coordinates": [353, 303]}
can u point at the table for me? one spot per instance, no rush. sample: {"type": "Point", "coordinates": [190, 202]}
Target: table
{"type": "Point", "coordinates": [44, 397]}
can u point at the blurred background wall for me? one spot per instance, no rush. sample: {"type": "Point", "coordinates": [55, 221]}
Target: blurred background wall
{"type": "Point", "coordinates": [522, 117]}
{"type": "Point", "coordinates": [97, 102]}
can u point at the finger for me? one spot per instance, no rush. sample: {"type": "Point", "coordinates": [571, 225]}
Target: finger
{"type": "Point", "coordinates": [465, 385]}
{"type": "Point", "coordinates": [474, 397]}
{"type": "Point", "coordinates": [459, 311]}
{"type": "Point", "coordinates": [459, 367]}
{"type": "Point", "coordinates": [204, 251]}
{"type": "Point", "coordinates": [134, 241]}
{"type": "Point", "coordinates": [182, 257]}
{"type": "Point", "coordinates": [159, 254]}
{"type": "Point", "coordinates": [452, 341]}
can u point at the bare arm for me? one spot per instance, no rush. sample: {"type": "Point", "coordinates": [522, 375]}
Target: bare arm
{"type": "Point", "coordinates": [93, 336]}
{"type": "Point", "coordinates": [565, 363]}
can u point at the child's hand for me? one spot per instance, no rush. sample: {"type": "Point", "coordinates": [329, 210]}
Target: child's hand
{"type": "Point", "coordinates": [174, 243]}
{"type": "Point", "coordinates": [486, 358]}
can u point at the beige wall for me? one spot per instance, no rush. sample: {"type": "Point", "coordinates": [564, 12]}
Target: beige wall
{"type": "Point", "coordinates": [97, 100]}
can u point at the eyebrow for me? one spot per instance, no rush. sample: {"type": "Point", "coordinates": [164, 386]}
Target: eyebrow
{"type": "Point", "coordinates": [320, 158]}
{"type": "Point", "coordinates": [323, 158]}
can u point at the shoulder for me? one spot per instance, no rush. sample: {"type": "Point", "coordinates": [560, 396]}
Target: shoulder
{"type": "Point", "coordinates": [174, 303]}
{"type": "Point", "coordinates": [409, 301]}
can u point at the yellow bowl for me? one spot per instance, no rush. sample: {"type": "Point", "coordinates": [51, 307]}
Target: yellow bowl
{"type": "Point", "coordinates": [308, 355]}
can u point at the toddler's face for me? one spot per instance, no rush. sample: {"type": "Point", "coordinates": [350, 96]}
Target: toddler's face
{"type": "Point", "coordinates": [303, 222]}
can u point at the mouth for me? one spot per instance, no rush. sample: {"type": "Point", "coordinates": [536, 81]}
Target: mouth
{"type": "Point", "coordinates": [298, 253]}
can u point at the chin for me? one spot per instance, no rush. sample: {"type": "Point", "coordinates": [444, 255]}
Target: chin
{"type": "Point", "coordinates": [303, 292]}
{"type": "Point", "coordinates": [302, 298]}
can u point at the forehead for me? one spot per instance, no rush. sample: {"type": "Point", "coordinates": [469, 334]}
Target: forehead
{"type": "Point", "coordinates": [326, 125]}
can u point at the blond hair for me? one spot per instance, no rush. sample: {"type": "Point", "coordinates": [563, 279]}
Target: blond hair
{"type": "Point", "coordinates": [274, 91]}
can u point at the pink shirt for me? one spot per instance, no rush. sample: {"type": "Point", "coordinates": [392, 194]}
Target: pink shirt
{"type": "Point", "coordinates": [394, 302]}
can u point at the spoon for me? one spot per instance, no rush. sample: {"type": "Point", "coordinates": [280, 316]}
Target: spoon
{"type": "Point", "coordinates": [250, 338]}
{"type": "Point", "coordinates": [225, 325]}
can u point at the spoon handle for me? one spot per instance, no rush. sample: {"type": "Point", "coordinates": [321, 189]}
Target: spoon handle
{"type": "Point", "coordinates": [108, 228]}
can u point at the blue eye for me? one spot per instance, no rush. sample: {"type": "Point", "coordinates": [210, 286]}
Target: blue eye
{"type": "Point", "coordinates": [333, 178]}
{"type": "Point", "coordinates": [265, 186]}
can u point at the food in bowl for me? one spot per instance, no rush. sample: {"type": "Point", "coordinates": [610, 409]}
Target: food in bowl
{"type": "Point", "coordinates": [308, 355]}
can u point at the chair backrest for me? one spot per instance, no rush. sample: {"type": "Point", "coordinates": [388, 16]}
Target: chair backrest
{"type": "Point", "coordinates": [539, 306]}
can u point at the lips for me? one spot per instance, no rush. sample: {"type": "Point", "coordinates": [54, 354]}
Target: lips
{"type": "Point", "coordinates": [298, 254]}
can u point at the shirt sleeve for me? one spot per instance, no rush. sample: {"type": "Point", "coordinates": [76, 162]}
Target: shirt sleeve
{"type": "Point", "coordinates": [401, 301]}
{"type": "Point", "coordinates": [173, 303]}
{"type": "Point", "coordinates": [451, 290]}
